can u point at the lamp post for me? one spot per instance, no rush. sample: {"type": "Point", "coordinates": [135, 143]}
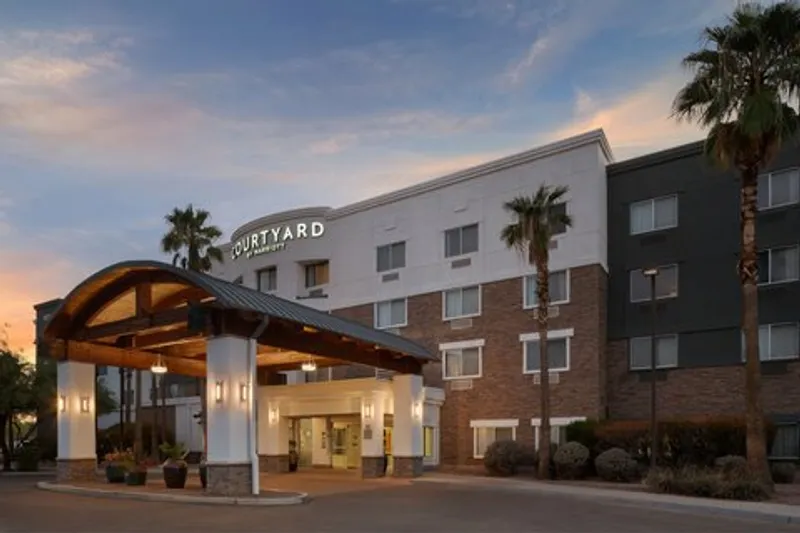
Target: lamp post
{"type": "Point", "coordinates": [652, 274]}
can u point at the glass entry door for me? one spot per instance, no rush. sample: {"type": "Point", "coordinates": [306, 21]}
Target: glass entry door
{"type": "Point", "coordinates": [346, 445]}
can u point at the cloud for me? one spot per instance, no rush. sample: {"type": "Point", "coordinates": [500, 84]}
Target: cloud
{"type": "Point", "coordinates": [636, 122]}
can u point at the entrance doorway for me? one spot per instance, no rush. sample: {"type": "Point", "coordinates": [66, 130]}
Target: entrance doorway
{"type": "Point", "coordinates": [346, 445]}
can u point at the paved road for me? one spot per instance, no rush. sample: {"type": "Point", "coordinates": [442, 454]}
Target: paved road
{"type": "Point", "coordinates": [418, 508]}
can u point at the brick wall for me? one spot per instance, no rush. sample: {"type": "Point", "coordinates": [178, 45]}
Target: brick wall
{"type": "Point", "coordinates": [504, 391]}
{"type": "Point", "coordinates": [678, 390]}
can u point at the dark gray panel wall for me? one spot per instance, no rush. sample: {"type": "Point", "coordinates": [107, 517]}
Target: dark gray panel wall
{"type": "Point", "coordinates": [705, 245]}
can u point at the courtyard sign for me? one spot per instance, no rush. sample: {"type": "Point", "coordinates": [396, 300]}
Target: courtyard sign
{"type": "Point", "coordinates": [275, 239]}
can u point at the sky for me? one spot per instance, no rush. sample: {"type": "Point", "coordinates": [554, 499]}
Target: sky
{"type": "Point", "coordinates": [112, 112]}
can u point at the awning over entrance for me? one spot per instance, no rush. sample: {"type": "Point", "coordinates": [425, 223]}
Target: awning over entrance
{"type": "Point", "coordinates": [130, 313]}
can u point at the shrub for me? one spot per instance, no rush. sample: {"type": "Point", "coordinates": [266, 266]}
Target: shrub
{"type": "Point", "coordinates": [528, 456]}
{"type": "Point", "coordinates": [616, 465]}
{"type": "Point", "coordinates": [731, 465]}
{"type": "Point", "coordinates": [584, 431]}
{"type": "Point", "coordinates": [28, 458]}
{"type": "Point", "coordinates": [109, 438]}
{"type": "Point", "coordinates": [570, 460]}
{"type": "Point", "coordinates": [783, 472]}
{"type": "Point", "coordinates": [502, 458]}
{"type": "Point", "coordinates": [706, 483]}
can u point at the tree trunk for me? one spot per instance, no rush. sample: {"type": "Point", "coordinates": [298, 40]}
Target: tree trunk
{"type": "Point", "coordinates": [122, 402]}
{"type": "Point", "coordinates": [203, 421]}
{"type": "Point", "coordinates": [163, 409]}
{"type": "Point", "coordinates": [748, 274]}
{"type": "Point", "coordinates": [154, 418]}
{"type": "Point", "coordinates": [543, 295]}
{"type": "Point", "coordinates": [137, 446]}
{"type": "Point", "coordinates": [4, 444]}
{"type": "Point", "coordinates": [128, 376]}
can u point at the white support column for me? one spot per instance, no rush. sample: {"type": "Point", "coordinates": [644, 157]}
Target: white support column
{"type": "Point", "coordinates": [407, 432]}
{"type": "Point", "coordinates": [373, 458]}
{"type": "Point", "coordinates": [230, 411]}
{"type": "Point", "coordinates": [77, 453]}
{"type": "Point", "coordinates": [273, 434]}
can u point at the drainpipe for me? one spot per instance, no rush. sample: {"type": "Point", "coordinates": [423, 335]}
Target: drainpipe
{"type": "Point", "coordinates": [252, 431]}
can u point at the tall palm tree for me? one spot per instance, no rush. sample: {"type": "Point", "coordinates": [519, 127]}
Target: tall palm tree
{"type": "Point", "coordinates": [535, 220]}
{"type": "Point", "coordinates": [746, 78]}
{"type": "Point", "coordinates": [192, 242]}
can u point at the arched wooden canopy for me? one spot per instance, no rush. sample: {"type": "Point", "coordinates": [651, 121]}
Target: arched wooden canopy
{"type": "Point", "coordinates": [130, 313]}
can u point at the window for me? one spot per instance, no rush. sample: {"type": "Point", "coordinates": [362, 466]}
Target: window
{"type": "Point", "coordinates": [485, 432]}
{"type": "Point", "coordinates": [316, 274]}
{"type": "Point", "coordinates": [102, 370]}
{"type": "Point", "coordinates": [777, 342]}
{"type": "Point", "coordinates": [557, 355]}
{"type": "Point", "coordinates": [654, 214]}
{"type": "Point", "coordinates": [428, 442]}
{"type": "Point", "coordinates": [559, 209]}
{"type": "Point", "coordinates": [558, 288]}
{"type": "Point", "coordinates": [391, 256]}
{"type": "Point", "coordinates": [666, 352]}
{"type": "Point", "coordinates": [558, 428]}
{"type": "Point", "coordinates": [666, 284]}
{"type": "Point", "coordinates": [268, 279]}
{"type": "Point", "coordinates": [462, 360]}
{"type": "Point", "coordinates": [787, 441]}
{"type": "Point", "coordinates": [462, 302]}
{"type": "Point", "coordinates": [779, 189]}
{"type": "Point", "coordinates": [779, 265]}
{"type": "Point", "coordinates": [390, 313]}
{"type": "Point", "coordinates": [461, 241]}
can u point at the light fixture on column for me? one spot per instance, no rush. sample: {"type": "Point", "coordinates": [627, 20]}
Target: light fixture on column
{"type": "Point", "coordinates": [308, 366]}
{"type": "Point", "coordinates": [218, 391]}
{"type": "Point", "coordinates": [273, 415]}
{"type": "Point", "coordinates": [416, 410]}
{"type": "Point", "coordinates": [62, 403]}
{"type": "Point", "coordinates": [367, 410]}
{"type": "Point", "coordinates": [159, 367]}
{"type": "Point", "coordinates": [85, 404]}
{"type": "Point", "coordinates": [243, 390]}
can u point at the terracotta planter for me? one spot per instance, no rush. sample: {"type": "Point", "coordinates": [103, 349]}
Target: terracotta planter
{"type": "Point", "coordinates": [115, 473]}
{"type": "Point", "coordinates": [175, 476]}
{"type": "Point", "coordinates": [136, 478]}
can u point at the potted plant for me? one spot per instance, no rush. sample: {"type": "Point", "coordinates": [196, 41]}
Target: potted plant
{"type": "Point", "coordinates": [136, 473]}
{"type": "Point", "coordinates": [203, 472]}
{"type": "Point", "coordinates": [293, 457]}
{"type": "Point", "coordinates": [115, 465]}
{"type": "Point", "coordinates": [174, 468]}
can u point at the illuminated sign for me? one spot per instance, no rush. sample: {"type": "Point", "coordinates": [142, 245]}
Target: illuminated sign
{"type": "Point", "coordinates": [275, 239]}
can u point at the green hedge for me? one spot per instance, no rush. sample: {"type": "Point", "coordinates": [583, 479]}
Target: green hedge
{"type": "Point", "coordinates": [109, 439]}
{"type": "Point", "coordinates": [694, 441]}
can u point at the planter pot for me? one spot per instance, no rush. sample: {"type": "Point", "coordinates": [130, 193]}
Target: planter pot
{"type": "Point", "coordinates": [115, 473]}
{"type": "Point", "coordinates": [136, 478]}
{"type": "Point", "coordinates": [203, 475]}
{"type": "Point", "coordinates": [292, 467]}
{"type": "Point", "coordinates": [175, 476]}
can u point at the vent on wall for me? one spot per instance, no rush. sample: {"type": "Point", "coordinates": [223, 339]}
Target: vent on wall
{"type": "Point", "coordinates": [555, 378]}
{"type": "Point", "coordinates": [552, 312]}
{"type": "Point", "coordinates": [460, 384]}
{"type": "Point", "coordinates": [461, 263]}
{"type": "Point", "coordinates": [461, 323]}
{"type": "Point", "coordinates": [392, 276]}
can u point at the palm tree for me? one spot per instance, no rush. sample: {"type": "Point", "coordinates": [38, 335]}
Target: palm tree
{"type": "Point", "coordinates": [746, 78]}
{"type": "Point", "coordinates": [535, 220]}
{"type": "Point", "coordinates": [192, 243]}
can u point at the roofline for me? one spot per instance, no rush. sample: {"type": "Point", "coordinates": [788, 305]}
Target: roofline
{"type": "Point", "coordinates": [52, 301]}
{"type": "Point", "coordinates": [656, 158]}
{"type": "Point", "coordinates": [557, 147]}
{"type": "Point", "coordinates": [274, 218]}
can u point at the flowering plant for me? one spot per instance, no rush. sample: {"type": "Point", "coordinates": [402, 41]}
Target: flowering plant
{"type": "Point", "coordinates": [120, 457]}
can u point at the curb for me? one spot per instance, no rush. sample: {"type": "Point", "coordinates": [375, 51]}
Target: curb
{"type": "Point", "coordinates": [778, 513]}
{"type": "Point", "coordinates": [40, 473]}
{"type": "Point", "coordinates": [297, 499]}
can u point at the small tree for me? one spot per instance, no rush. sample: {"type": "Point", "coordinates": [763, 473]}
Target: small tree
{"type": "Point", "coordinates": [535, 220]}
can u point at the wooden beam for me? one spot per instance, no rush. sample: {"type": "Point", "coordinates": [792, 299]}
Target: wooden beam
{"type": "Point", "coordinates": [133, 325]}
{"type": "Point", "coordinates": [144, 299]}
{"type": "Point", "coordinates": [183, 296]}
{"type": "Point", "coordinates": [168, 337]}
{"type": "Point", "coordinates": [101, 354]}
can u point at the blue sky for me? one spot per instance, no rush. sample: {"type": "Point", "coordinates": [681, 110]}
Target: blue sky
{"type": "Point", "coordinates": [112, 112]}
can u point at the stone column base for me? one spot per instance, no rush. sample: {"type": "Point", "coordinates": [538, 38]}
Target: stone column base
{"type": "Point", "coordinates": [372, 467]}
{"type": "Point", "coordinates": [229, 479]}
{"type": "Point", "coordinates": [273, 464]}
{"type": "Point", "coordinates": [76, 470]}
{"type": "Point", "coordinates": [407, 466]}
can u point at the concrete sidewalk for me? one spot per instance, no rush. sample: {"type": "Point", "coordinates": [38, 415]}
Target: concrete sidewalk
{"type": "Point", "coordinates": [772, 512]}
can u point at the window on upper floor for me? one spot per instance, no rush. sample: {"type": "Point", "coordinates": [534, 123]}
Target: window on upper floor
{"type": "Point", "coordinates": [557, 355]}
{"type": "Point", "coordinates": [777, 341]}
{"type": "Point", "coordinates": [316, 274]}
{"type": "Point", "coordinates": [267, 279]}
{"type": "Point", "coordinates": [666, 352]}
{"type": "Point", "coordinates": [461, 241]}
{"type": "Point", "coordinates": [654, 214]}
{"type": "Point", "coordinates": [391, 313]}
{"type": "Point", "coordinates": [559, 209]}
{"type": "Point", "coordinates": [391, 256]}
{"type": "Point", "coordinates": [462, 360]}
{"type": "Point", "coordinates": [462, 302]}
{"type": "Point", "coordinates": [666, 284]}
{"type": "Point", "coordinates": [558, 287]}
{"type": "Point", "coordinates": [779, 265]}
{"type": "Point", "coordinates": [779, 188]}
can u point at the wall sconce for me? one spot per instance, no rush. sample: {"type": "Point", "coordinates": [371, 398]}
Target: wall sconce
{"type": "Point", "coordinates": [85, 404]}
{"type": "Point", "coordinates": [243, 390]}
{"type": "Point", "coordinates": [416, 410]}
{"type": "Point", "coordinates": [218, 391]}
{"type": "Point", "coordinates": [367, 410]}
{"type": "Point", "coordinates": [62, 403]}
{"type": "Point", "coordinates": [273, 415]}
